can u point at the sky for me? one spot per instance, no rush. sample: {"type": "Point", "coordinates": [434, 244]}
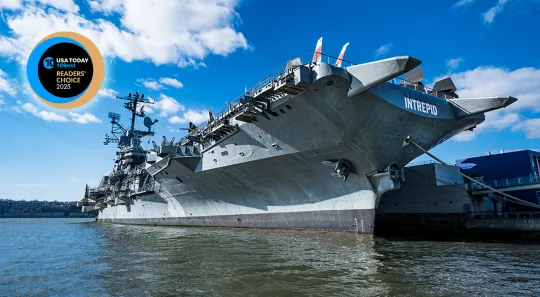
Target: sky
{"type": "Point", "coordinates": [191, 56]}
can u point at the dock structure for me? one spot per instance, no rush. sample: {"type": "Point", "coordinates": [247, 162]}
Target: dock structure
{"type": "Point", "coordinates": [437, 201]}
{"type": "Point", "coordinates": [510, 172]}
{"type": "Point", "coordinates": [520, 183]}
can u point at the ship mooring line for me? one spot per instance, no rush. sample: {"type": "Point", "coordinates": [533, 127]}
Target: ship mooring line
{"type": "Point", "coordinates": [523, 202]}
{"type": "Point", "coordinates": [457, 186]}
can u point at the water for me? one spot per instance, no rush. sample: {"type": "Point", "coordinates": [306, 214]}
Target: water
{"type": "Point", "coordinates": [62, 257]}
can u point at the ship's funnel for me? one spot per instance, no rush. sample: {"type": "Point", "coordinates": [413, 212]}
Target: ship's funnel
{"type": "Point", "coordinates": [369, 75]}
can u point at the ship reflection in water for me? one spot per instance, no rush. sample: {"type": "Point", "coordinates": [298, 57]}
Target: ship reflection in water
{"type": "Point", "coordinates": [53, 257]}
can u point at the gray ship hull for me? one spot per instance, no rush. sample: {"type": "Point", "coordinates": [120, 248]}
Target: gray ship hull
{"type": "Point", "coordinates": [255, 184]}
{"type": "Point", "coordinates": [273, 171]}
{"type": "Point", "coordinates": [355, 220]}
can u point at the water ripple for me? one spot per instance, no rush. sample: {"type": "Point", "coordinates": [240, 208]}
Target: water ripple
{"type": "Point", "coordinates": [57, 257]}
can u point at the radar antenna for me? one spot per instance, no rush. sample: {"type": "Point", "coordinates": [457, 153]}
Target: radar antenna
{"type": "Point", "coordinates": [123, 136]}
{"type": "Point", "coordinates": [132, 106]}
{"type": "Point", "coordinates": [117, 130]}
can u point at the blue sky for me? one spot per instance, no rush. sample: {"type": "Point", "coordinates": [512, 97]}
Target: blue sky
{"type": "Point", "coordinates": [192, 56]}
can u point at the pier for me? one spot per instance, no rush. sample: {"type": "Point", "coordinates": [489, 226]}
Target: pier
{"type": "Point", "coordinates": [438, 201]}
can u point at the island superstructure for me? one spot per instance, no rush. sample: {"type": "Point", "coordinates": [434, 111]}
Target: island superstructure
{"type": "Point", "coordinates": [315, 145]}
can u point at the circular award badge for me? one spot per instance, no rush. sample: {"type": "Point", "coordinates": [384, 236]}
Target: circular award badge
{"type": "Point", "coordinates": [65, 70]}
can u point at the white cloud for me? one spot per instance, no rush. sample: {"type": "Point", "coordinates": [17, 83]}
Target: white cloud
{"type": "Point", "coordinates": [85, 118]}
{"type": "Point", "coordinates": [66, 5]}
{"type": "Point", "coordinates": [107, 93]}
{"type": "Point", "coordinates": [2, 102]}
{"type": "Point", "coordinates": [183, 63]}
{"type": "Point", "coordinates": [168, 105]}
{"type": "Point", "coordinates": [499, 121]}
{"type": "Point", "coordinates": [171, 82]}
{"type": "Point", "coordinates": [196, 116]}
{"type": "Point", "coordinates": [453, 64]}
{"type": "Point", "coordinates": [10, 4]}
{"type": "Point", "coordinates": [8, 85]}
{"type": "Point", "coordinates": [465, 136]}
{"type": "Point", "coordinates": [489, 15]}
{"type": "Point", "coordinates": [223, 41]}
{"type": "Point", "coordinates": [43, 114]}
{"type": "Point", "coordinates": [531, 127]}
{"type": "Point", "coordinates": [383, 50]}
{"type": "Point", "coordinates": [495, 121]}
{"type": "Point", "coordinates": [178, 113]}
{"type": "Point", "coordinates": [50, 116]}
{"type": "Point", "coordinates": [105, 6]}
{"type": "Point", "coordinates": [462, 3]}
{"type": "Point", "coordinates": [523, 83]}
{"type": "Point", "coordinates": [151, 84]}
{"type": "Point", "coordinates": [171, 32]}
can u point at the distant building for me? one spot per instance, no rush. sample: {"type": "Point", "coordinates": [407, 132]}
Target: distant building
{"type": "Point", "coordinates": [503, 165]}
{"type": "Point", "coordinates": [512, 171]}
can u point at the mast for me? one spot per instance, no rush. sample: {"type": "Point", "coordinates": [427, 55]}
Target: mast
{"type": "Point", "coordinates": [134, 111]}
{"type": "Point", "coordinates": [127, 176]}
{"type": "Point", "coordinates": [123, 136]}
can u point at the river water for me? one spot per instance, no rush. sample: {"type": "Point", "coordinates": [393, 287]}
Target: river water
{"type": "Point", "coordinates": [66, 257]}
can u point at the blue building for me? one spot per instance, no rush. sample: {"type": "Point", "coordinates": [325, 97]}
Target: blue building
{"type": "Point", "coordinates": [517, 173]}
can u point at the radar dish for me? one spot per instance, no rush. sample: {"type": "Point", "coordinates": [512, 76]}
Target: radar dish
{"type": "Point", "coordinates": [148, 122]}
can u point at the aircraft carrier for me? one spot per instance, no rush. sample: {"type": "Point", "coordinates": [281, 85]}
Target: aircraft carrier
{"type": "Point", "coordinates": [315, 145]}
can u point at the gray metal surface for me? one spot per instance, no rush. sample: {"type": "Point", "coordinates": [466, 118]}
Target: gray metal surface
{"type": "Point", "coordinates": [265, 160]}
{"type": "Point", "coordinates": [353, 220]}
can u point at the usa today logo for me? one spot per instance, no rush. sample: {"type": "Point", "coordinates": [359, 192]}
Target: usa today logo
{"type": "Point", "coordinates": [65, 70]}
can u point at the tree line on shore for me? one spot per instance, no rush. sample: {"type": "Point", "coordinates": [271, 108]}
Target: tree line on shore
{"type": "Point", "coordinates": [36, 208]}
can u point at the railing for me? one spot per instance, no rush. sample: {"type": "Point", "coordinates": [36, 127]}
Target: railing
{"type": "Point", "coordinates": [507, 182]}
{"type": "Point", "coordinates": [422, 88]}
{"type": "Point", "coordinates": [427, 162]}
{"type": "Point", "coordinates": [270, 78]}
{"type": "Point", "coordinates": [304, 60]}
{"type": "Point", "coordinates": [503, 215]}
